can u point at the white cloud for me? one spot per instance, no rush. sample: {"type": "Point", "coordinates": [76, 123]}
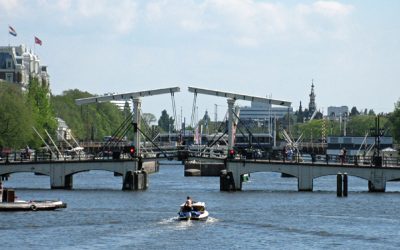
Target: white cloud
{"type": "Point", "coordinates": [9, 5]}
{"type": "Point", "coordinates": [244, 22]}
{"type": "Point", "coordinates": [251, 22]}
{"type": "Point", "coordinates": [121, 15]}
{"type": "Point", "coordinates": [331, 8]}
{"type": "Point", "coordinates": [154, 11]}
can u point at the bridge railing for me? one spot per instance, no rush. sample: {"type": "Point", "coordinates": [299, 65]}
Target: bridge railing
{"type": "Point", "coordinates": [335, 159]}
{"type": "Point", "coordinates": [22, 157]}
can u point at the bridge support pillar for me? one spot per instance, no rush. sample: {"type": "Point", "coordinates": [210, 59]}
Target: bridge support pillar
{"type": "Point", "coordinates": [62, 182]}
{"type": "Point", "coordinates": [226, 181]}
{"type": "Point", "coordinates": [378, 185]}
{"type": "Point", "coordinates": [135, 180]}
{"type": "Point", "coordinates": [58, 178]}
{"type": "Point", "coordinates": [377, 181]}
{"type": "Point", "coordinates": [305, 180]}
{"type": "Point", "coordinates": [230, 179]}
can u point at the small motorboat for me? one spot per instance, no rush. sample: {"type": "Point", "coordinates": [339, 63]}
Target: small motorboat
{"type": "Point", "coordinates": [197, 212]}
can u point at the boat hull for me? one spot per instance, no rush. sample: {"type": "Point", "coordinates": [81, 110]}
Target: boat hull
{"type": "Point", "coordinates": [193, 215]}
{"type": "Point", "coordinates": [31, 206]}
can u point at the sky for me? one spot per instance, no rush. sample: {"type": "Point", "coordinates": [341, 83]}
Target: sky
{"type": "Point", "coordinates": [349, 49]}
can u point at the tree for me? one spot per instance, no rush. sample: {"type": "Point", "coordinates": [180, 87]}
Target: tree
{"type": "Point", "coordinates": [166, 123]}
{"type": "Point", "coordinates": [360, 125]}
{"type": "Point", "coordinates": [371, 112]}
{"type": "Point", "coordinates": [146, 124]}
{"type": "Point", "coordinates": [312, 131]}
{"type": "Point", "coordinates": [38, 99]}
{"type": "Point", "coordinates": [149, 118]}
{"type": "Point", "coordinates": [16, 117]}
{"type": "Point", "coordinates": [87, 122]}
{"type": "Point", "coordinates": [318, 116]}
{"type": "Point", "coordinates": [354, 111]}
{"type": "Point", "coordinates": [394, 119]}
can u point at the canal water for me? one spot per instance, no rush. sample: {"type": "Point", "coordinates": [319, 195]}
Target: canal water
{"type": "Point", "coordinates": [268, 214]}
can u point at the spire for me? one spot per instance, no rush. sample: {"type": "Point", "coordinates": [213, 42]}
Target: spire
{"type": "Point", "coordinates": [312, 106]}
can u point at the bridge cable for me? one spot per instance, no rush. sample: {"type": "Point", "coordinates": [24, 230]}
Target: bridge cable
{"type": "Point", "coordinates": [124, 127]}
{"type": "Point", "coordinates": [193, 109]}
{"type": "Point", "coordinates": [174, 108]}
{"type": "Point", "coordinates": [213, 141]}
{"type": "Point", "coordinates": [250, 133]}
{"type": "Point", "coordinates": [149, 139]}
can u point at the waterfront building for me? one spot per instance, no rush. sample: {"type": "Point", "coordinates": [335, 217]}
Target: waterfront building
{"type": "Point", "coordinates": [335, 113]}
{"type": "Point", "coordinates": [63, 131]}
{"type": "Point", "coordinates": [263, 111]}
{"type": "Point", "coordinates": [356, 144]}
{"type": "Point", "coordinates": [18, 65]}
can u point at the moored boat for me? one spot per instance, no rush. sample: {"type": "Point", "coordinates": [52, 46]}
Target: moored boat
{"type": "Point", "coordinates": [197, 212]}
{"type": "Point", "coordinates": [8, 202]}
{"type": "Point", "coordinates": [20, 205]}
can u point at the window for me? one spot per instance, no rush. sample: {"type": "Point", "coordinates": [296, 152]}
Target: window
{"type": "Point", "coordinates": [347, 140]}
{"type": "Point", "coordinates": [8, 63]}
{"type": "Point", "coordinates": [10, 77]}
{"type": "Point", "coordinates": [334, 140]}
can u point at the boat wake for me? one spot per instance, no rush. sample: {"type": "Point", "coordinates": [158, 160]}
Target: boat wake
{"type": "Point", "coordinates": [186, 223]}
{"type": "Point", "coordinates": [168, 220]}
{"type": "Point", "coordinates": [212, 220]}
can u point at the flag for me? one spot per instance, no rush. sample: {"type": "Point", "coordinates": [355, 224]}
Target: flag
{"type": "Point", "coordinates": [196, 136]}
{"type": "Point", "coordinates": [38, 41]}
{"type": "Point", "coordinates": [12, 31]}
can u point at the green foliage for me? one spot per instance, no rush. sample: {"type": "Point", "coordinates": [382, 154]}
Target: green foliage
{"type": "Point", "coordinates": [146, 125]}
{"type": "Point", "coordinates": [311, 130]}
{"type": "Point", "coordinates": [371, 112]}
{"type": "Point", "coordinates": [16, 117]}
{"type": "Point", "coordinates": [38, 98]}
{"type": "Point", "coordinates": [166, 122]}
{"type": "Point", "coordinates": [87, 122]}
{"type": "Point", "coordinates": [357, 125]}
{"type": "Point", "coordinates": [354, 111]}
{"type": "Point", "coordinates": [362, 124]}
{"type": "Point", "coordinates": [394, 119]}
{"type": "Point", "coordinates": [21, 111]}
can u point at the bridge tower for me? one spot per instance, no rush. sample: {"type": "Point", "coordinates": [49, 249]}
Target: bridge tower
{"type": "Point", "coordinates": [133, 173]}
{"type": "Point", "coordinates": [233, 174]}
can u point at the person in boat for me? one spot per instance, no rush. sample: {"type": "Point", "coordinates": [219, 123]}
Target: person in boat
{"type": "Point", "coordinates": [188, 204]}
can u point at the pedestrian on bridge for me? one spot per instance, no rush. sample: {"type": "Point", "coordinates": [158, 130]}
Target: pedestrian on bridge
{"type": "Point", "coordinates": [284, 153]}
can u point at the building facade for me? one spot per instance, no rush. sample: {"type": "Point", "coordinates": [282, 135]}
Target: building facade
{"type": "Point", "coordinates": [355, 144]}
{"type": "Point", "coordinates": [63, 131]}
{"type": "Point", "coordinates": [336, 112]}
{"type": "Point", "coordinates": [18, 65]}
{"type": "Point", "coordinates": [263, 111]}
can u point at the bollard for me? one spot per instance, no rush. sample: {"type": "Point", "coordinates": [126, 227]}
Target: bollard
{"type": "Point", "coordinates": [339, 190]}
{"type": "Point", "coordinates": [345, 184]}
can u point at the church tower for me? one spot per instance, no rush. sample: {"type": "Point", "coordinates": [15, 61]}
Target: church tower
{"type": "Point", "coordinates": [312, 106]}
